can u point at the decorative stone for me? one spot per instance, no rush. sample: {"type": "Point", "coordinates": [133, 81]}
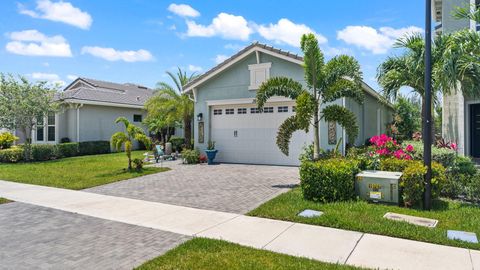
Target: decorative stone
{"type": "Point", "coordinates": [308, 213]}
{"type": "Point", "coordinates": [419, 221]}
{"type": "Point", "coordinates": [462, 236]}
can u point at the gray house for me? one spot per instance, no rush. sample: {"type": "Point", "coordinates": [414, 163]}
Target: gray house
{"type": "Point", "coordinates": [89, 110]}
{"type": "Point", "coordinates": [461, 114]}
{"type": "Point", "coordinates": [226, 112]}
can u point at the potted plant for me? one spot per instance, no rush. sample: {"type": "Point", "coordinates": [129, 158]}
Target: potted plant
{"type": "Point", "coordinates": [211, 152]}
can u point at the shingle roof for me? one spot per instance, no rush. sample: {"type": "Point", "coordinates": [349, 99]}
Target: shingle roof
{"type": "Point", "coordinates": [255, 44]}
{"type": "Point", "coordinates": [103, 91]}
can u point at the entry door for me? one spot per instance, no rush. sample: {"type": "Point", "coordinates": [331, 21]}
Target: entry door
{"type": "Point", "coordinates": [475, 130]}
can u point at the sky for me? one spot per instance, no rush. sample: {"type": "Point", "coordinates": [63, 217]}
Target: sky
{"type": "Point", "coordinates": [137, 41]}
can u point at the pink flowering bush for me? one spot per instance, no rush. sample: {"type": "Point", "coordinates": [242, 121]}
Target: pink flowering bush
{"type": "Point", "coordinates": [384, 146]}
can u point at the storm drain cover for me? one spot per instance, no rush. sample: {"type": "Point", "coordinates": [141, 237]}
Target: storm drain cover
{"type": "Point", "coordinates": [419, 221]}
{"type": "Point", "coordinates": [310, 213]}
{"type": "Point", "coordinates": [462, 236]}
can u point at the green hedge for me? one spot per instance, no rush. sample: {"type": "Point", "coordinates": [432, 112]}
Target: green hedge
{"type": "Point", "coordinates": [11, 155]}
{"type": "Point", "coordinates": [67, 149]}
{"type": "Point", "coordinates": [94, 147]}
{"type": "Point", "coordinates": [177, 143]}
{"type": "Point", "coordinates": [191, 156]}
{"type": "Point", "coordinates": [444, 156]}
{"type": "Point", "coordinates": [328, 180]}
{"type": "Point", "coordinates": [42, 152]}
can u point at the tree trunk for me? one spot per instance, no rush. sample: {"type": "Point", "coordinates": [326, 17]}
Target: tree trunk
{"type": "Point", "coordinates": [129, 155]}
{"type": "Point", "coordinates": [316, 136]}
{"type": "Point", "coordinates": [187, 131]}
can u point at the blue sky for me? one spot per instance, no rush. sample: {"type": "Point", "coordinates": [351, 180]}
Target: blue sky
{"type": "Point", "coordinates": [138, 40]}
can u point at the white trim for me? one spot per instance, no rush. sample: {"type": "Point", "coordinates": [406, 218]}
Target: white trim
{"type": "Point", "coordinates": [102, 103]}
{"type": "Point", "coordinates": [265, 67]}
{"type": "Point", "coordinates": [195, 94]}
{"type": "Point", "coordinates": [258, 57]}
{"type": "Point", "coordinates": [237, 59]}
{"type": "Point", "coordinates": [259, 66]}
{"type": "Point", "coordinates": [78, 121]}
{"type": "Point", "coordinates": [244, 101]}
{"type": "Point", "coordinates": [344, 133]}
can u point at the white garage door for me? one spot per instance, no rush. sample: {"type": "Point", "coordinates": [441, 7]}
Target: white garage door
{"type": "Point", "coordinates": [243, 135]}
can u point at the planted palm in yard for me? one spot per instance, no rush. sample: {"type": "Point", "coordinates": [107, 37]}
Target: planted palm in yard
{"type": "Point", "coordinates": [326, 82]}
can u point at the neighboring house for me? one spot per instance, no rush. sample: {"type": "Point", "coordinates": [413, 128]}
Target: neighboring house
{"type": "Point", "coordinates": [460, 114]}
{"type": "Point", "coordinates": [89, 109]}
{"type": "Point", "coordinates": [225, 110]}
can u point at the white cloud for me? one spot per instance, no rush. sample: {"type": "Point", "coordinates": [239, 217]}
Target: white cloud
{"type": "Point", "coordinates": [334, 51]}
{"type": "Point", "coordinates": [225, 25]}
{"type": "Point", "coordinates": [183, 10]}
{"type": "Point", "coordinates": [72, 77]}
{"type": "Point", "coordinates": [59, 12]}
{"type": "Point", "coordinates": [234, 47]}
{"type": "Point", "coordinates": [35, 43]}
{"type": "Point", "coordinates": [172, 27]}
{"type": "Point", "coordinates": [45, 76]}
{"type": "Point", "coordinates": [194, 68]}
{"type": "Point", "coordinates": [287, 32]}
{"type": "Point", "coordinates": [377, 41]}
{"type": "Point", "coordinates": [111, 54]}
{"type": "Point", "coordinates": [220, 58]}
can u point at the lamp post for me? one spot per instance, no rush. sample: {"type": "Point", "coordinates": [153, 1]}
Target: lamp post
{"type": "Point", "coordinates": [427, 122]}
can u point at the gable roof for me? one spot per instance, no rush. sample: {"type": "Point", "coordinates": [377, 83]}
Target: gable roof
{"type": "Point", "coordinates": [85, 90]}
{"type": "Point", "coordinates": [264, 48]}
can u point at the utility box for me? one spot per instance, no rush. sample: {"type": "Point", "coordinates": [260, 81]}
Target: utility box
{"type": "Point", "coordinates": [378, 186]}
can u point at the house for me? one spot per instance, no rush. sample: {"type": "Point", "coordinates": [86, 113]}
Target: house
{"type": "Point", "coordinates": [226, 112]}
{"type": "Point", "coordinates": [89, 109]}
{"type": "Point", "coordinates": [460, 114]}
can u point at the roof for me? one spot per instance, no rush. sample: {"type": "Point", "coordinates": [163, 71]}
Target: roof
{"type": "Point", "coordinates": [91, 90]}
{"type": "Point", "coordinates": [247, 50]}
{"type": "Point", "coordinates": [271, 50]}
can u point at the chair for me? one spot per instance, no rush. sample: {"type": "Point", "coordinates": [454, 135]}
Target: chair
{"type": "Point", "coordinates": [159, 154]}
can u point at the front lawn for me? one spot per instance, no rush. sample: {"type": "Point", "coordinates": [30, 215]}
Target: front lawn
{"type": "Point", "coordinates": [3, 200]}
{"type": "Point", "coordinates": [201, 253]}
{"type": "Point", "coordinates": [75, 172]}
{"type": "Point", "coordinates": [365, 217]}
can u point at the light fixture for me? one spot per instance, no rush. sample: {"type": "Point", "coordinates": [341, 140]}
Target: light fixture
{"type": "Point", "coordinates": [199, 117]}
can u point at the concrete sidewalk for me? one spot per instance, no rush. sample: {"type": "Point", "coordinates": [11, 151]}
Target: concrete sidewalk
{"type": "Point", "coordinates": [316, 242]}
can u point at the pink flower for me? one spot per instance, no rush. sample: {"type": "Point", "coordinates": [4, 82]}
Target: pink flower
{"type": "Point", "coordinates": [383, 151]}
{"type": "Point", "coordinates": [408, 157]}
{"type": "Point", "coordinates": [453, 146]}
{"type": "Point", "coordinates": [409, 148]}
{"type": "Point", "coordinates": [399, 154]}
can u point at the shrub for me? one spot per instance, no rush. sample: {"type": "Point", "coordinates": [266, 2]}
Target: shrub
{"type": "Point", "coordinates": [328, 180]}
{"type": "Point", "coordinates": [67, 149]}
{"type": "Point", "coordinates": [65, 140]}
{"type": "Point", "coordinates": [42, 152]}
{"type": "Point", "coordinates": [94, 147]}
{"type": "Point", "coordinates": [394, 165]}
{"type": "Point", "coordinates": [444, 156]}
{"type": "Point", "coordinates": [472, 188]}
{"type": "Point", "coordinates": [463, 166]}
{"type": "Point", "coordinates": [138, 164]}
{"type": "Point", "coordinates": [7, 139]}
{"type": "Point", "coordinates": [11, 155]}
{"type": "Point", "coordinates": [191, 156]}
{"type": "Point", "coordinates": [177, 143]}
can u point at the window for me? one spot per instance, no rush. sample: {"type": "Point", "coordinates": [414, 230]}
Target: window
{"type": "Point", "coordinates": [51, 127]}
{"type": "Point", "coordinates": [283, 109]}
{"type": "Point", "coordinates": [268, 110]}
{"type": "Point", "coordinates": [259, 73]}
{"type": "Point", "coordinates": [254, 110]}
{"type": "Point", "coordinates": [229, 111]}
{"type": "Point", "coordinates": [242, 110]}
{"type": "Point", "coordinates": [217, 112]}
{"type": "Point", "coordinates": [294, 108]}
{"type": "Point", "coordinates": [40, 129]}
{"type": "Point", "coordinates": [137, 118]}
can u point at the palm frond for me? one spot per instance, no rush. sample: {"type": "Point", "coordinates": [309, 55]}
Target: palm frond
{"type": "Point", "coordinates": [123, 120]}
{"type": "Point", "coordinates": [313, 60]}
{"type": "Point", "coordinates": [342, 116]}
{"type": "Point", "coordinates": [285, 132]}
{"type": "Point", "coordinates": [278, 86]}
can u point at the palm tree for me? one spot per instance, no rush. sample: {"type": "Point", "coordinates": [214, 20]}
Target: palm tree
{"type": "Point", "coordinates": [132, 132]}
{"type": "Point", "coordinates": [326, 82]}
{"type": "Point", "coordinates": [172, 105]}
{"type": "Point", "coordinates": [471, 12]}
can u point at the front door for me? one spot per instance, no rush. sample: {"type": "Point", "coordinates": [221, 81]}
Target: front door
{"type": "Point", "coordinates": [475, 130]}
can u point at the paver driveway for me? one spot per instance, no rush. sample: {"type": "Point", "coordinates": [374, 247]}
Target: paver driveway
{"type": "Point", "coordinates": [232, 188]}
{"type": "Point", "coordinates": [34, 237]}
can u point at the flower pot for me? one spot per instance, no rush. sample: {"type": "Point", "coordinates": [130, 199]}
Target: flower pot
{"type": "Point", "coordinates": [211, 155]}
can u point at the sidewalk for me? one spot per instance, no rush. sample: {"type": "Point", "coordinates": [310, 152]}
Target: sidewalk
{"type": "Point", "coordinates": [316, 242]}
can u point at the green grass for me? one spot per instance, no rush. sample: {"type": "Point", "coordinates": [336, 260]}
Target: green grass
{"type": "Point", "coordinates": [366, 217]}
{"type": "Point", "coordinates": [75, 172]}
{"type": "Point", "coordinates": [201, 253]}
{"type": "Point", "coordinates": [3, 200]}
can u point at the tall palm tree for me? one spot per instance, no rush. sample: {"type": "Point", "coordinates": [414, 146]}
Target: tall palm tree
{"type": "Point", "coordinates": [325, 82]}
{"type": "Point", "coordinates": [132, 132]}
{"type": "Point", "coordinates": [171, 104]}
{"type": "Point", "coordinates": [471, 12]}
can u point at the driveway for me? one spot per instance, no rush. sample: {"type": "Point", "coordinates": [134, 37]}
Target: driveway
{"type": "Point", "coordinates": [231, 188]}
{"type": "Point", "coordinates": [34, 237]}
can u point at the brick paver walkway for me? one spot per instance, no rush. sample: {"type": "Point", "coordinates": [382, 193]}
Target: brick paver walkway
{"type": "Point", "coordinates": [231, 188]}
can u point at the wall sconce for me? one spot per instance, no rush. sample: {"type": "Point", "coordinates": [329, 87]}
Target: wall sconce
{"type": "Point", "coordinates": [199, 117]}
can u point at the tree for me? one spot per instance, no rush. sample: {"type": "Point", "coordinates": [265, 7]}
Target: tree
{"type": "Point", "coordinates": [407, 116]}
{"type": "Point", "coordinates": [470, 12]}
{"type": "Point", "coordinates": [325, 82]}
{"type": "Point", "coordinates": [126, 139]}
{"type": "Point", "coordinates": [22, 103]}
{"type": "Point", "coordinates": [171, 105]}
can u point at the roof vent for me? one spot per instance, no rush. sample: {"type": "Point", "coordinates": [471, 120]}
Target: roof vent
{"type": "Point", "coordinates": [141, 87]}
{"type": "Point", "coordinates": [138, 98]}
